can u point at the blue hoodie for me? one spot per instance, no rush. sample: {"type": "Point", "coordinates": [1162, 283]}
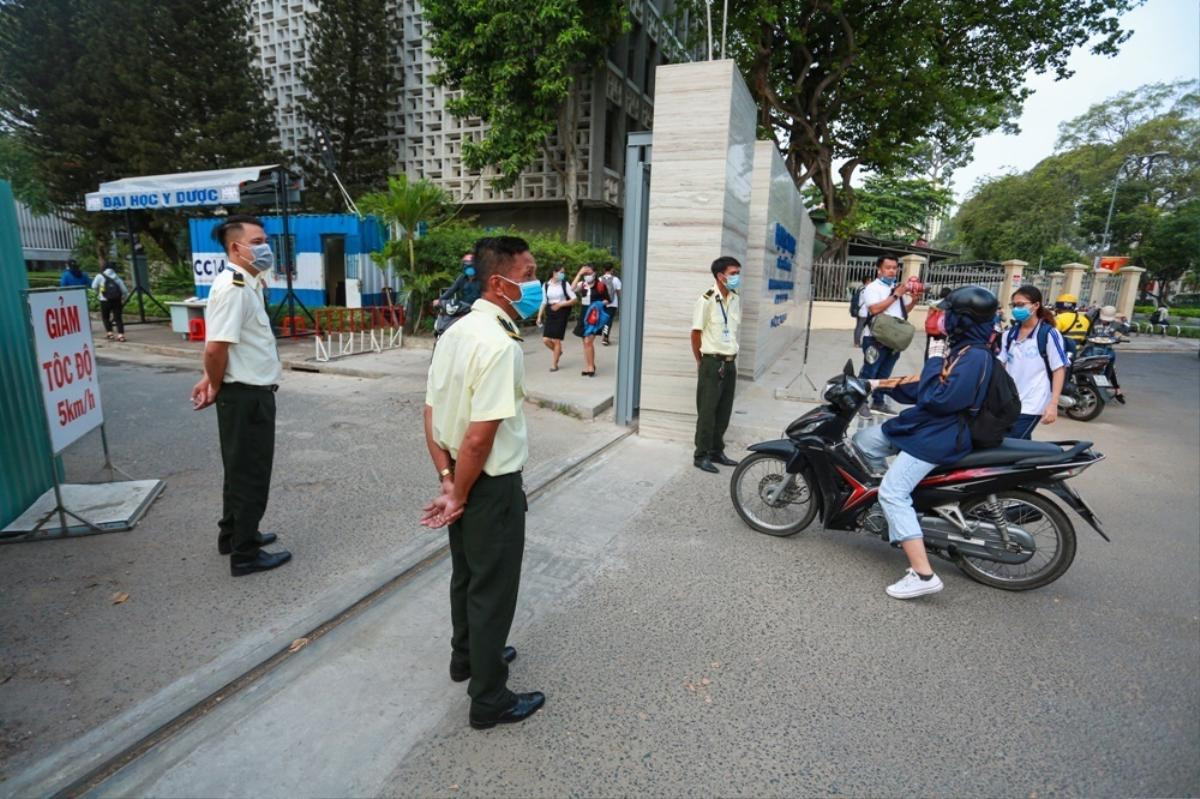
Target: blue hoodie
{"type": "Point", "coordinates": [933, 430]}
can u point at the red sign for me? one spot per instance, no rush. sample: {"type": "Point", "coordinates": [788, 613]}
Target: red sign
{"type": "Point", "coordinates": [1111, 263]}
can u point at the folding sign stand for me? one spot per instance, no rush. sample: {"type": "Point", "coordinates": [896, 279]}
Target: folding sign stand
{"type": "Point", "coordinates": [64, 367]}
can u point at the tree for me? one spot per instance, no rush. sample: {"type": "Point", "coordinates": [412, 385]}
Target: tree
{"type": "Point", "coordinates": [861, 83]}
{"type": "Point", "coordinates": [518, 65]}
{"type": "Point", "coordinates": [405, 207]}
{"type": "Point", "coordinates": [100, 91]}
{"type": "Point", "coordinates": [352, 87]}
{"type": "Point", "coordinates": [18, 167]}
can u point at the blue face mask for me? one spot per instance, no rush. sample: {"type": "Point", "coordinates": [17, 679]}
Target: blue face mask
{"type": "Point", "coordinates": [469, 271]}
{"type": "Point", "coordinates": [531, 298]}
{"type": "Point", "coordinates": [1021, 314]}
{"type": "Point", "coordinates": [733, 281]}
{"type": "Point", "coordinates": [888, 281]}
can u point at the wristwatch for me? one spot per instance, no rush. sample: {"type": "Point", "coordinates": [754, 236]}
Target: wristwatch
{"type": "Point", "coordinates": [444, 473]}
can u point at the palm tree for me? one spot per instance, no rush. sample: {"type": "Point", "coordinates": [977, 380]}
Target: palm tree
{"type": "Point", "coordinates": [404, 207]}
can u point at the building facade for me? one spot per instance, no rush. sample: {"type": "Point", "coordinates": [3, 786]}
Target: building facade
{"type": "Point", "coordinates": [616, 99]}
{"type": "Point", "coordinates": [46, 241]}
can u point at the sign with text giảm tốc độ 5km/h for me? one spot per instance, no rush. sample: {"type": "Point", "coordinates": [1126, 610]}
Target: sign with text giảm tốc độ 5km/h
{"type": "Point", "coordinates": [66, 364]}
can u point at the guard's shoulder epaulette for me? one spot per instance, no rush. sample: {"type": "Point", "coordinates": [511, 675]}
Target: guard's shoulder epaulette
{"type": "Point", "coordinates": [708, 294]}
{"type": "Point", "coordinates": [509, 328]}
{"type": "Point", "coordinates": [238, 278]}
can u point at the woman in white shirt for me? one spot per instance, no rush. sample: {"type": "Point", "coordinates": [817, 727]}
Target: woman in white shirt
{"type": "Point", "coordinates": [556, 307]}
{"type": "Point", "coordinates": [1034, 356]}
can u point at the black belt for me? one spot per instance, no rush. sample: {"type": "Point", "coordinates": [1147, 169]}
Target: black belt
{"type": "Point", "coordinates": [234, 384]}
{"type": "Point", "coordinates": [725, 358]}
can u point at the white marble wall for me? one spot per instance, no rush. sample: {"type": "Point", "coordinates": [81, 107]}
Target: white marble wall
{"type": "Point", "coordinates": [700, 186]}
{"type": "Point", "coordinates": [777, 271]}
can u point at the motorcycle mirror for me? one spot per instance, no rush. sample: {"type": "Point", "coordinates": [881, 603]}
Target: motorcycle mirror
{"type": "Point", "coordinates": [849, 370]}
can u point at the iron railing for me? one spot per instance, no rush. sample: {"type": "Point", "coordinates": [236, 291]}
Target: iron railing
{"type": "Point", "coordinates": [835, 282]}
{"type": "Point", "coordinates": [940, 277]}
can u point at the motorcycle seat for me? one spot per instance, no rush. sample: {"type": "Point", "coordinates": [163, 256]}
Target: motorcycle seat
{"type": "Point", "coordinates": [1018, 450]}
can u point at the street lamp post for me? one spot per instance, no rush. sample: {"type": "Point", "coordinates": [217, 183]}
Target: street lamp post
{"type": "Point", "coordinates": [1149, 159]}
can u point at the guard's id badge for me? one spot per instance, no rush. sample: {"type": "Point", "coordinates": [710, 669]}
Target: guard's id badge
{"type": "Point", "coordinates": [725, 337]}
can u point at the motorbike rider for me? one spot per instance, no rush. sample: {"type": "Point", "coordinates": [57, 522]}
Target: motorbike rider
{"type": "Point", "coordinates": [465, 289]}
{"type": "Point", "coordinates": [1108, 326]}
{"type": "Point", "coordinates": [932, 433]}
{"type": "Point", "coordinates": [1071, 322]}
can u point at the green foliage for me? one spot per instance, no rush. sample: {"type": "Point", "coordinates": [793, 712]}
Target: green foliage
{"type": "Point", "coordinates": [897, 208]}
{"type": "Point", "coordinates": [100, 91]}
{"type": "Point", "coordinates": [445, 246]}
{"type": "Point", "coordinates": [18, 167]}
{"type": "Point", "coordinates": [854, 82]}
{"type": "Point", "coordinates": [1059, 208]}
{"type": "Point", "coordinates": [352, 83]}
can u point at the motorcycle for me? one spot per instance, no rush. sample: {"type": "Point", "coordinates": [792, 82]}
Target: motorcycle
{"type": "Point", "coordinates": [1087, 388]}
{"type": "Point", "coordinates": [991, 513]}
{"type": "Point", "coordinates": [449, 312]}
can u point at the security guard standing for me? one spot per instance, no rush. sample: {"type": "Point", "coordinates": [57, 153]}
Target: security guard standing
{"type": "Point", "coordinates": [475, 432]}
{"type": "Point", "coordinates": [241, 375]}
{"type": "Point", "coordinates": [715, 322]}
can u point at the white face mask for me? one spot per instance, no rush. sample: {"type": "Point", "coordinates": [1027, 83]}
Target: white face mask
{"type": "Point", "coordinates": [589, 279]}
{"type": "Point", "coordinates": [262, 257]}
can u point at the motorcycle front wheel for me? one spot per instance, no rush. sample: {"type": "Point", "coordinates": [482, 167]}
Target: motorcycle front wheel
{"type": "Point", "coordinates": [1052, 532]}
{"type": "Point", "coordinates": [768, 498]}
{"type": "Point", "coordinates": [1088, 404]}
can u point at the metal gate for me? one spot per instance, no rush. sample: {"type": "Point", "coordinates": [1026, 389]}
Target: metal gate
{"type": "Point", "coordinates": [633, 277]}
{"type": "Point", "coordinates": [25, 471]}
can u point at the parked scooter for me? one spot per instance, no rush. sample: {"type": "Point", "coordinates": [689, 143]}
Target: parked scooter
{"type": "Point", "coordinates": [990, 513]}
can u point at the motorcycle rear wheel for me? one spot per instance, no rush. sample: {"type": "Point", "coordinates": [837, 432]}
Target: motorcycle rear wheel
{"type": "Point", "coordinates": [751, 480]}
{"type": "Point", "coordinates": [1088, 404]}
{"type": "Point", "coordinates": [1041, 518]}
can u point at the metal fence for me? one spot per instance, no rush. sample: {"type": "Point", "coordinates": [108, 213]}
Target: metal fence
{"type": "Point", "coordinates": [835, 282]}
{"type": "Point", "coordinates": [940, 277]}
{"type": "Point", "coordinates": [1112, 290]}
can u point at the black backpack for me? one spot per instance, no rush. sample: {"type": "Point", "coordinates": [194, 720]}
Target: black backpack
{"type": "Point", "coordinates": [990, 422]}
{"type": "Point", "coordinates": [855, 299]}
{"type": "Point", "coordinates": [112, 290]}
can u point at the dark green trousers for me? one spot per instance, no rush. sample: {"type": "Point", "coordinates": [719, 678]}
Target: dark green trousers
{"type": "Point", "coordinates": [246, 424]}
{"type": "Point", "coordinates": [714, 403]}
{"type": "Point", "coordinates": [486, 546]}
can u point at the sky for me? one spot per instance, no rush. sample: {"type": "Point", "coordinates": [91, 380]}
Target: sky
{"type": "Point", "coordinates": [1165, 46]}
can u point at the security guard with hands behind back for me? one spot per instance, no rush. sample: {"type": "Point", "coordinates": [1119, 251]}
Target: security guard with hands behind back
{"type": "Point", "coordinates": [241, 375]}
{"type": "Point", "coordinates": [475, 432]}
{"type": "Point", "coordinates": [715, 322]}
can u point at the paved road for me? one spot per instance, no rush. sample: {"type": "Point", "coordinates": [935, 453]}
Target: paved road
{"type": "Point", "coordinates": [351, 472]}
{"type": "Point", "coordinates": [684, 654]}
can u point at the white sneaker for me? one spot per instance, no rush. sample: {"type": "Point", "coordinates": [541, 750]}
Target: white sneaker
{"type": "Point", "coordinates": [910, 586]}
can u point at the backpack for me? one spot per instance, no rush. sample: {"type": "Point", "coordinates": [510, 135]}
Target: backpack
{"type": "Point", "coordinates": [595, 318]}
{"type": "Point", "coordinates": [1043, 341]}
{"type": "Point", "coordinates": [990, 422]}
{"type": "Point", "coordinates": [855, 300]}
{"type": "Point", "coordinates": [112, 290]}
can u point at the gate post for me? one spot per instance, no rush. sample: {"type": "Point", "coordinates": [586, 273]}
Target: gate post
{"type": "Point", "coordinates": [1014, 276]}
{"type": "Point", "coordinates": [1074, 279]}
{"type": "Point", "coordinates": [1131, 277]}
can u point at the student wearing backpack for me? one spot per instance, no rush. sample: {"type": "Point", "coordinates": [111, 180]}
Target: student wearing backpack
{"type": "Point", "coordinates": [884, 295]}
{"type": "Point", "coordinates": [556, 307]}
{"type": "Point", "coordinates": [590, 292]}
{"type": "Point", "coordinates": [112, 293]}
{"type": "Point", "coordinates": [1035, 356]}
{"type": "Point", "coordinates": [860, 322]}
{"type": "Point", "coordinates": [948, 397]}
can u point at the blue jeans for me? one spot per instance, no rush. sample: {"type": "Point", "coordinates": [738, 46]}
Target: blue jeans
{"type": "Point", "coordinates": [895, 492]}
{"type": "Point", "coordinates": [878, 362]}
{"type": "Point", "coordinates": [1024, 426]}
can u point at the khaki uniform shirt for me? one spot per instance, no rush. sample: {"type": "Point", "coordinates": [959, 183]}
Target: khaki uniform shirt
{"type": "Point", "coordinates": [717, 318]}
{"type": "Point", "coordinates": [237, 313]}
{"type": "Point", "coordinates": [478, 375]}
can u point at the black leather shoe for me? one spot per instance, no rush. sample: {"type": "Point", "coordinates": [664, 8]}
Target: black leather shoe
{"type": "Point", "coordinates": [524, 707]}
{"type": "Point", "coordinates": [462, 673]}
{"type": "Point", "coordinates": [722, 459]}
{"type": "Point", "coordinates": [225, 545]}
{"type": "Point", "coordinates": [264, 561]}
{"type": "Point", "coordinates": [705, 464]}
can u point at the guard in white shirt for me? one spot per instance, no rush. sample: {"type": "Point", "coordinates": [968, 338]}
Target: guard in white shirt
{"type": "Point", "coordinates": [884, 295]}
{"type": "Point", "coordinates": [241, 375]}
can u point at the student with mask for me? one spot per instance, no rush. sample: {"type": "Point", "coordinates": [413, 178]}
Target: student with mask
{"type": "Point", "coordinates": [932, 433]}
{"type": "Point", "coordinates": [589, 290]}
{"type": "Point", "coordinates": [555, 310]}
{"type": "Point", "coordinates": [1033, 352]}
{"type": "Point", "coordinates": [465, 289]}
{"type": "Point", "coordinates": [884, 295]}
{"type": "Point", "coordinates": [715, 321]}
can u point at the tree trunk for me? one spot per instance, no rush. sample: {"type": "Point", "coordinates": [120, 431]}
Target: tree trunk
{"type": "Point", "coordinates": [568, 127]}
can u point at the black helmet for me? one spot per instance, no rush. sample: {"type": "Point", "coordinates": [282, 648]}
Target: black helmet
{"type": "Point", "coordinates": [975, 302]}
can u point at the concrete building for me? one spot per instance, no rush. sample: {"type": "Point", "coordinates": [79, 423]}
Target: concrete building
{"type": "Point", "coordinates": [46, 241]}
{"type": "Point", "coordinates": [616, 99]}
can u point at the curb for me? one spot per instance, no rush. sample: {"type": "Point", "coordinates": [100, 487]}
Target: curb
{"type": "Point", "coordinates": [81, 765]}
